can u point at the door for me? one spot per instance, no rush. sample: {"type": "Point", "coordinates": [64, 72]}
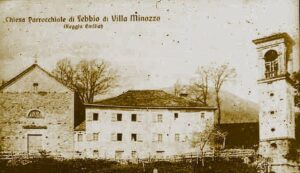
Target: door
{"type": "Point", "coordinates": [34, 143]}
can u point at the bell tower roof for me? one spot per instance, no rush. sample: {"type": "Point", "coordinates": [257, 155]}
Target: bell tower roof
{"type": "Point", "coordinates": [285, 36]}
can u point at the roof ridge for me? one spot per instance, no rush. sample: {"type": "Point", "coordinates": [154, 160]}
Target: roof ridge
{"type": "Point", "coordinates": [149, 98]}
{"type": "Point", "coordinates": [145, 90]}
{"type": "Point", "coordinates": [27, 70]}
{"type": "Point", "coordinates": [12, 80]}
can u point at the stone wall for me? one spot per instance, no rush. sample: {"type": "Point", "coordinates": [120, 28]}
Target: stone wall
{"type": "Point", "coordinates": [56, 124]}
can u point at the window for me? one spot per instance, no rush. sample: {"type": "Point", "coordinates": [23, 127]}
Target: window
{"type": "Point", "coordinates": [274, 145]}
{"type": "Point", "coordinates": [80, 137]}
{"type": "Point", "coordinates": [160, 154]}
{"type": "Point", "coordinates": [175, 116]}
{"type": "Point", "coordinates": [119, 117]}
{"type": "Point", "coordinates": [159, 137]}
{"type": "Point", "coordinates": [271, 64]}
{"type": "Point", "coordinates": [119, 154]}
{"type": "Point", "coordinates": [34, 114]}
{"type": "Point", "coordinates": [177, 137]}
{"type": "Point", "coordinates": [95, 153]}
{"type": "Point", "coordinates": [202, 115]}
{"type": "Point", "coordinates": [159, 118]}
{"type": "Point", "coordinates": [133, 117]}
{"type": "Point", "coordinates": [95, 136]}
{"type": "Point", "coordinates": [119, 137]}
{"type": "Point", "coordinates": [35, 86]}
{"type": "Point", "coordinates": [133, 137]}
{"type": "Point", "coordinates": [133, 154]}
{"type": "Point", "coordinates": [95, 116]}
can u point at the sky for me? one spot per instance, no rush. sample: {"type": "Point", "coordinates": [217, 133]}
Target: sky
{"type": "Point", "coordinates": [150, 55]}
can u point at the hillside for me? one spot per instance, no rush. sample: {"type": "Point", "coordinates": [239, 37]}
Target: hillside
{"type": "Point", "coordinates": [234, 108]}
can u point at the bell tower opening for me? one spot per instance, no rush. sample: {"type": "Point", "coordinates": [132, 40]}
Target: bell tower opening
{"type": "Point", "coordinates": [271, 64]}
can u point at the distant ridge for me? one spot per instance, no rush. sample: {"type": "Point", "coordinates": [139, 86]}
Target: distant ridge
{"type": "Point", "coordinates": [234, 108]}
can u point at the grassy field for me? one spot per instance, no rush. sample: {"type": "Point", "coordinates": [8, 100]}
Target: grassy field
{"type": "Point", "coordinates": [102, 166]}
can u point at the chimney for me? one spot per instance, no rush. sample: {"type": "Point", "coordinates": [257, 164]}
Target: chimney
{"type": "Point", "coordinates": [183, 92]}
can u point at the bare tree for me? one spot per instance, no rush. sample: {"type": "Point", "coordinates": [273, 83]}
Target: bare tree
{"type": "Point", "coordinates": [220, 75]}
{"type": "Point", "coordinates": [207, 137]}
{"type": "Point", "coordinates": [199, 88]}
{"type": "Point", "coordinates": [88, 78]}
{"type": "Point", "coordinates": [177, 88]}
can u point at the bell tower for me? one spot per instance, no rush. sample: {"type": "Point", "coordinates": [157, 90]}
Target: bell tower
{"type": "Point", "coordinates": [276, 92]}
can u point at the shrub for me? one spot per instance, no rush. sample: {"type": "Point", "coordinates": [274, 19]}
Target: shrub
{"type": "Point", "coordinates": [49, 165]}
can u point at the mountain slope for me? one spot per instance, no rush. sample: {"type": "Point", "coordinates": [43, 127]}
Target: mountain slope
{"type": "Point", "coordinates": [234, 108]}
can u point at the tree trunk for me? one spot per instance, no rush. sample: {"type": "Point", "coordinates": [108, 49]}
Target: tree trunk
{"type": "Point", "coordinates": [202, 158]}
{"type": "Point", "coordinates": [219, 107]}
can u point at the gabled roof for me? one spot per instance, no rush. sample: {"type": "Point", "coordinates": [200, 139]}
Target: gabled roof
{"type": "Point", "coordinates": [149, 99]}
{"type": "Point", "coordinates": [26, 71]}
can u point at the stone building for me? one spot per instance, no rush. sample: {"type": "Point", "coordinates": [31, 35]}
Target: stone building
{"type": "Point", "coordinates": [141, 124]}
{"type": "Point", "coordinates": [38, 113]}
{"type": "Point", "coordinates": [277, 108]}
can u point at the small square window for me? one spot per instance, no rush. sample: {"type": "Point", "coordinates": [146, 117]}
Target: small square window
{"type": "Point", "coordinates": [95, 136]}
{"type": "Point", "coordinates": [175, 116]}
{"type": "Point", "coordinates": [119, 137]}
{"type": "Point", "coordinates": [95, 116]}
{"type": "Point", "coordinates": [271, 94]}
{"type": "Point", "coordinates": [119, 117]}
{"type": "Point", "coordinates": [95, 153]}
{"type": "Point", "coordinates": [159, 118]}
{"type": "Point", "coordinates": [159, 137]}
{"type": "Point", "coordinates": [202, 115]}
{"type": "Point", "coordinates": [80, 137]}
{"type": "Point", "coordinates": [133, 154]}
{"type": "Point", "coordinates": [119, 154]}
{"type": "Point", "coordinates": [35, 84]}
{"type": "Point", "coordinates": [133, 117]}
{"type": "Point", "coordinates": [133, 137]}
{"type": "Point", "coordinates": [177, 137]}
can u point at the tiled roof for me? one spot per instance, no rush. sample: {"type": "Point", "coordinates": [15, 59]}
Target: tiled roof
{"type": "Point", "coordinates": [148, 98]}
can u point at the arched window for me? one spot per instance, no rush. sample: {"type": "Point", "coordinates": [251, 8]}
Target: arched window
{"type": "Point", "coordinates": [271, 63]}
{"type": "Point", "coordinates": [35, 114]}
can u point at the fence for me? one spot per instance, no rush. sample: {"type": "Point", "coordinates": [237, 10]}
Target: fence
{"type": "Point", "coordinates": [12, 155]}
{"type": "Point", "coordinates": [188, 157]}
{"type": "Point", "coordinates": [228, 153]}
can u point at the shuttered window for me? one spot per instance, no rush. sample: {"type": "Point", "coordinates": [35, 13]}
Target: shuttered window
{"type": "Point", "coordinates": [113, 137]}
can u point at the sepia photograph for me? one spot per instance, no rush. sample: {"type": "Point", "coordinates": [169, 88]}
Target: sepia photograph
{"type": "Point", "coordinates": [156, 86]}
